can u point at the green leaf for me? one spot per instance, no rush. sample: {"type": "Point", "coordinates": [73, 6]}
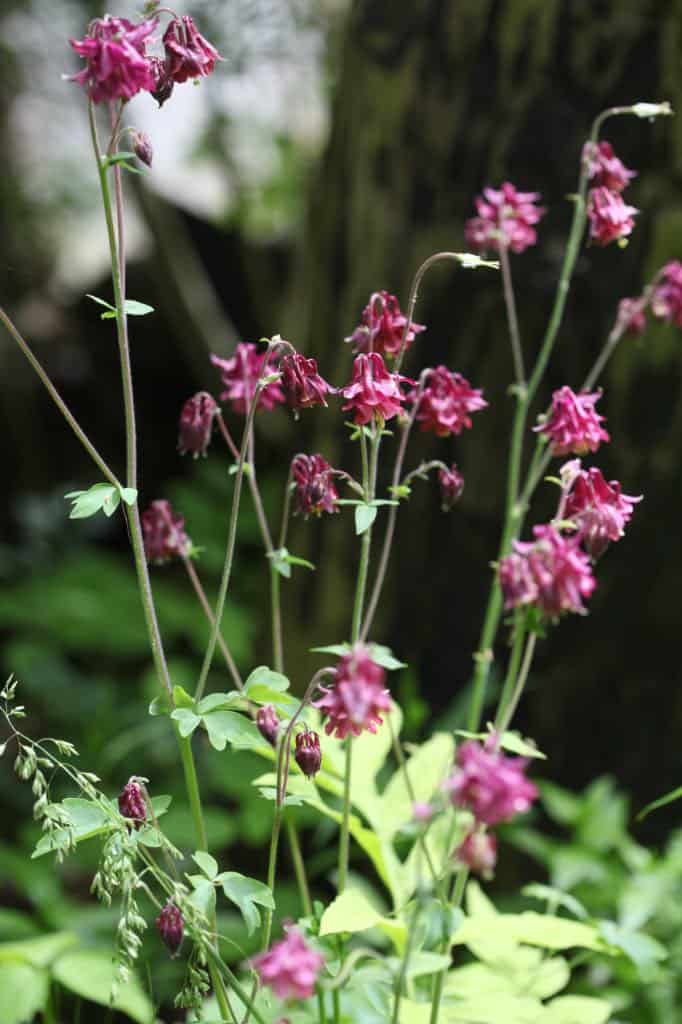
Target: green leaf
{"type": "Point", "coordinates": [350, 912]}
{"type": "Point", "coordinates": [91, 974]}
{"type": "Point", "coordinates": [364, 517]}
{"type": "Point", "coordinates": [88, 503]}
{"type": "Point", "coordinates": [543, 930]}
{"type": "Point", "coordinates": [161, 705]}
{"type": "Point", "coordinates": [187, 721]}
{"type": "Point", "coordinates": [673, 795]}
{"type": "Point", "coordinates": [207, 863]}
{"type": "Point", "coordinates": [87, 819]}
{"type": "Point", "coordinates": [556, 897]}
{"type": "Point", "coordinates": [338, 649]}
{"type": "Point", "coordinates": [203, 896]}
{"type": "Point", "coordinates": [577, 1010]}
{"type": "Point", "coordinates": [246, 893]}
{"type": "Point", "coordinates": [118, 158]}
{"type": "Point", "coordinates": [515, 744]}
{"type": "Point", "coordinates": [39, 952]}
{"type": "Point", "coordinates": [384, 656]}
{"type": "Point", "coordinates": [233, 699]}
{"type": "Point", "coordinates": [264, 686]}
{"type": "Point", "coordinates": [181, 698]}
{"type": "Point", "coordinates": [225, 727]}
{"type": "Point", "coordinates": [643, 950]}
{"type": "Point", "coordinates": [100, 302]}
{"type": "Point", "coordinates": [134, 308]}
{"type": "Point", "coordinates": [23, 992]}
{"type": "Point", "coordinates": [129, 495]}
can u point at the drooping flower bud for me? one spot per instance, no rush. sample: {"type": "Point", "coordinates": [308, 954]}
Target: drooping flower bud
{"type": "Point", "coordinates": [196, 424]}
{"type": "Point", "coordinates": [666, 303]}
{"type": "Point", "coordinates": [117, 66]}
{"type": "Point", "coordinates": [290, 967]}
{"type": "Point", "coordinates": [451, 483]}
{"type": "Point", "coordinates": [164, 534]}
{"type": "Point", "coordinates": [267, 722]}
{"type": "Point", "coordinates": [132, 804]}
{"type": "Point", "coordinates": [489, 784]}
{"type": "Point", "coordinates": [301, 383]}
{"type": "Point", "coordinates": [479, 852]}
{"type": "Point", "coordinates": [572, 424]}
{"type": "Point", "coordinates": [610, 217]}
{"type": "Point", "coordinates": [382, 326]}
{"type": "Point", "coordinates": [308, 755]}
{"type": "Point", "coordinates": [505, 217]}
{"type": "Point", "coordinates": [188, 54]}
{"type": "Point", "coordinates": [142, 147]}
{"type": "Point", "coordinates": [171, 927]}
{"type": "Point", "coordinates": [445, 403]}
{"type": "Point", "coordinates": [358, 696]}
{"type": "Point", "coordinates": [314, 485]}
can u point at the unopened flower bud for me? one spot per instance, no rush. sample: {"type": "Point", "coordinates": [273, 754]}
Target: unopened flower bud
{"type": "Point", "coordinates": [308, 755]}
{"type": "Point", "coordinates": [142, 147]}
{"type": "Point", "coordinates": [196, 424]}
{"type": "Point", "coordinates": [132, 804]}
{"type": "Point", "coordinates": [163, 83]}
{"type": "Point", "coordinates": [652, 109]}
{"type": "Point", "coordinates": [268, 723]}
{"type": "Point", "coordinates": [451, 483]}
{"type": "Point", "coordinates": [422, 811]}
{"type": "Point", "coordinates": [171, 927]}
{"type": "Point", "coordinates": [479, 853]}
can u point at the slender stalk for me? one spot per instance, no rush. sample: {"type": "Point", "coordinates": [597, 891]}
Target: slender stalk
{"type": "Point", "coordinates": [203, 600]}
{"type": "Point", "coordinates": [272, 865]}
{"type": "Point", "coordinates": [513, 668]}
{"type": "Point", "coordinates": [216, 961]}
{"type": "Point", "coordinates": [402, 974]}
{"type": "Point", "coordinates": [345, 820]}
{"type": "Point", "coordinates": [510, 303]}
{"type": "Point", "coordinates": [107, 472]}
{"type": "Point", "coordinates": [321, 1009]}
{"type": "Point", "coordinates": [192, 786]}
{"type": "Point", "coordinates": [506, 716]}
{"type": "Point", "coordinates": [286, 507]}
{"type": "Point", "coordinates": [445, 946]}
{"type": "Point", "coordinates": [276, 616]}
{"type": "Point", "coordinates": [402, 763]}
{"type": "Point", "coordinates": [299, 869]}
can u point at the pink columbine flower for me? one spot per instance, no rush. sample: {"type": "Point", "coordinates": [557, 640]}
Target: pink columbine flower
{"type": "Point", "coordinates": [188, 54]}
{"type": "Point", "coordinates": [313, 485]}
{"type": "Point", "coordinates": [446, 401]}
{"type": "Point", "coordinates": [599, 509]}
{"type": "Point", "coordinates": [358, 697]}
{"type": "Point", "coordinates": [240, 375]}
{"type": "Point", "coordinates": [171, 927]}
{"type": "Point", "coordinates": [489, 784]}
{"type": "Point", "coordinates": [164, 534]}
{"type": "Point", "coordinates": [290, 967]}
{"type": "Point", "coordinates": [196, 424]}
{"type": "Point", "coordinates": [505, 218]}
{"type": "Point", "coordinates": [631, 317]}
{"type": "Point", "coordinates": [267, 722]}
{"type": "Point", "coordinates": [451, 484]}
{"type": "Point", "coordinates": [604, 168]}
{"type": "Point", "coordinates": [302, 385]}
{"type": "Point", "coordinates": [117, 66]}
{"type": "Point", "coordinates": [479, 852]}
{"type": "Point", "coordinates": [666, 303]}
{"type": "Point", "coordinates": [308, 754]}
{"type": "Point", "coordinates": [572, 424]}
{"type": "Point", "coordinates": [382, 326]}
{"type": "Point", "coordinates": [373, 393]}
{"type": "Point", "coordinates": [132, 804]}
{"type": "Point", "coordinates": [551, 572]}
{"type": "Point", "coordinates": [610, 217]}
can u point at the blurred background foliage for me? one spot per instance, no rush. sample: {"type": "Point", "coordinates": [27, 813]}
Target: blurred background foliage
{"type": "Point", "coordinates": [338, 145]}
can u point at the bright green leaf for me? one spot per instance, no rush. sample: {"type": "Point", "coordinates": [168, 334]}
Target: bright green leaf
{"type": "Point", "coordinates": [643, 950]}
{"type": "Point", "coordinates": [384, 656]}
{"type": "Point", "coordinates": [181, 698]}
{"type": "Point", "coordinates": [38, 952]}
{"type": "Point", "coordinates": [246, 893]}
{"type": "Point", "coordinates": [100, 302]}
{"type": "Point", "coordinates": [515, 744]}
{"type": "Point", "coordinates": [552, 895]}
{"type": "Point", "coordinates": [129, 495]}
{"type": "Point", "coordinates": [23, 992]}
{"type": "Point", "coordinates": [134, 308]}
{"type": "Point", "coordinates": [187, 721]}
{"type": "Point", "coordinates": [207, 863]}
{"type": "Point", "coordinates": [364, 517]}
{"type": "Point", "coordinates": [224, 701]}
{"type": "Point", "coordinates": [239, 731]}
{"type": "Point", "coordinates": [350, 912]}
{"type": "Point", "coordinates": [91, 974]}
{"type": "Point", "coordinates": [577, 1010]}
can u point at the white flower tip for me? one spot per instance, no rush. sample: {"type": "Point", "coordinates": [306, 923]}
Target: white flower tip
{"type": "Point", "coordinates": [469, 261]}
{"type": "Point", "coordinates": [652, 109]}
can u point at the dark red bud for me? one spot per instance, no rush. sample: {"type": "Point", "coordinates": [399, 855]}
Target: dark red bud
{"type": "Point", "coordinates": [308, 755]}
{"type": "Point", "coordinates": [142, 146]}
{"type": "Point", "coordinates": [132, 804]}
{"type": "Point", "coordinates": [171, 927]}
{"type": "Point", "coordinates": [268, 723]}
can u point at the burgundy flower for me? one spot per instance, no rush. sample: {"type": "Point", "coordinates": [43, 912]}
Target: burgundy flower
{"type": "Point", "coordinates": [188, 54]}
{"type": "Point", "coordinates": [117, 66]}
{"type": "Point", "coordinates": [479, 852]}
{"type": "Point", "coordinates": [631, 317]}
{"type": "Point", "coordinates": [610, 217]}
{"type": "Point", "coordinates": [142, 147]}
{"type": "Point", "coordinates": [373, 393]}
{"type": "Point", "coordinates": [599, 509]}
{"type": "Point", "coordinates": [550, 572]}
{"type": "Point", "coordinates": [196, 423]}
{"type": "Point", "coordinates": [446, 401]}
{"type": "Point", "coordinates": [163, 83]}
{"type": "Point", "coordinates": [164, 534]}
{"type": "Point", "coordinates": [171, 927]}
{"type": "Point", "coordinates": [132, 804]}
{"type": "Point", "coordinates": [290, 967]}
{"type": "Point", "coordinates": [493, 787]}
{"type": "Point", "coordinates": [301, 383]}
{"type": "Point", "coordinates": [313, 485]}
{"type": "Point", "coordinates": [451, 483]}
{"type": "Point", "coordinates": [307, 754]}
{"type": "Point", "coordinates": [382, 326]}
{"type": "Point", "coordinates": [604, 168]}
{"type": "Point", "coordinates": [666, 303]}
{"type": "Point", "coordinates": [357, 698]}
{"type": "Point", "coordinates": [240, 375]}
{"type": "Point", "coordinates": [505, 217]}
{"type": "Point", "coordinates": [267, 722]}
{"type": "Point", "coordinates": [572, 425]}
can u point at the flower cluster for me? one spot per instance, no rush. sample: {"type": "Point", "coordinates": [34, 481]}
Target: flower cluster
{"type": "Point", "coordinates": [358, 696]}
{"type": "Point", "coordinates": [164, 534]}
{"type": "Point", "coordinates": [506, 218]}
{"type": "Point", "coordinates": [117, 65]}
{"type": "Point", "coordinates": [382, 327]}
{"type": "Point", "coordinates": [573, 426]}
{"type": "Point", "coordinates": [610, 217]}
{"type": "Point", "coordinates": [290, 967]}
{"type": "Point", "coordinates": [373, 393]}
{"type": "Point", "coordinates": [240, 375]}
{"type": "Point", "coordinates": [445, 402]}
{"type": "Point", "coordinates": [551, 572]}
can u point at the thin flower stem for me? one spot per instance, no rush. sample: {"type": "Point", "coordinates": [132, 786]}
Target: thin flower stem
{"type": "Point", "coordinates": [286, 508]}
{"type": "Point", "coordinates": [508, 714]}
{"type": "Point", "coordinates": [299, 868]}
{"type": "Point", "coordinates": [107, 472]}
{"type": "Point", "coordinates": [255, 493]}
{"type": "Point", "coordinates": [192, 786]}
{"type": "Point", "coordinates": [227, 436]}
{"type": "Point", "coordinates": [345, 820]}
{"type": "Point", "coordinates": [238, 989]}
{"type": "Point", "coordinates": [203, 600]}
{"type": "Point", "coordinates": [276, 615]}
{"type": "Point", "coordinates": [455, 902]}
{"type": "Point", "coordinates": [402, 974]}
{"type": "Point", "coordinates": [321, 1009]}
{"type": "Point", "coordinates": [512, 318]}
{"type": "Point", "coordinates": [513, 668]}
{"type": "Point", "coordinates": [231, 540]}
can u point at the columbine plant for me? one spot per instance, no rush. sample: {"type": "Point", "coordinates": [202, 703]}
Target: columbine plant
{"type": "Point", "coordinates": [433, 825]}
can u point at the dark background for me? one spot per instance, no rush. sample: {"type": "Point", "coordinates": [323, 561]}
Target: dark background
{"type": "Point", "coordinates": [422, 104]}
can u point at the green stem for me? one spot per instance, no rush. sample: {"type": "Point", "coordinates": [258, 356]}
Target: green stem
{"type": "Point", "coordinates": [299, 868]}
{"type": "Point", "coordinates": [345, 820]}
{"type": "Point", "coordinates": [445, 946]}
{"type": "Point", "coordinates": [402, 974]}
{"type": "Point", "coordinates": [203, 601]}
{"type": "Point", "coordinates": [510, 303]}
{"type": "Point", "coordinates": [321, 1009]}
{"type": "Point", "coordinates": [272, 866]}
{"type": "Point", "coordinates": [275, 607]}
{"type": "Point", "coordinates": [336, 1000]}
{"type": "Point", "coordinates": [249, 1001]}
{"type": "Point", "coordinates": [192, 786]}
{"type": "Point", "coordinates": [513, 668]}
{"type": "Point", "coordinates": [506, 716]}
